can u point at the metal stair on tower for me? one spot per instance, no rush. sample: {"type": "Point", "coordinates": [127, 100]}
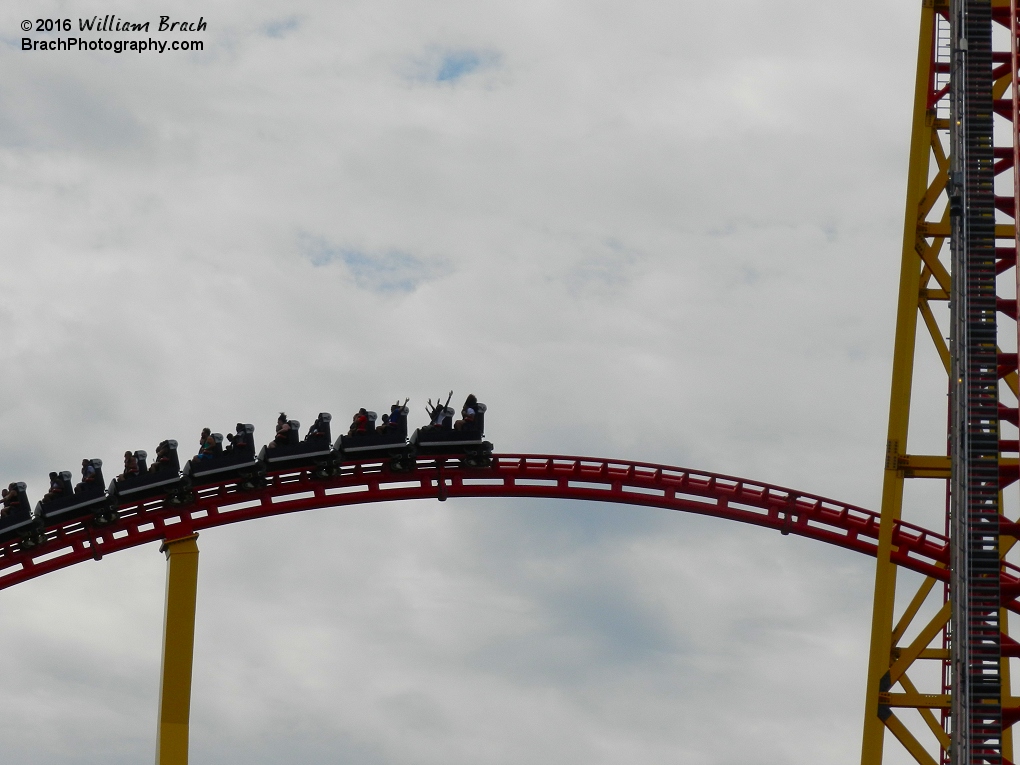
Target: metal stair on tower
{"type": "Point", "coordinates": [976, 650]}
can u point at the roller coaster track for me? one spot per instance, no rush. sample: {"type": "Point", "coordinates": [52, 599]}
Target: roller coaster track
{"type": "Point", "coordinates": [510, 475]}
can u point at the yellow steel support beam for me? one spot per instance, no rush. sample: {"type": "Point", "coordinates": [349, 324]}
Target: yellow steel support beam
{"type": "Point", "coordinates": [909, 655]}
{"type": "Point", "coordinates": [934, 725]}
{"type": "Point", "coordinates": [875, 718]}
{"type": "Point", "coordinates": [942, 228]}
{"type": "Point", "coordinates": [178, 650]}
{"type": "Point", "coordinates": [915, 605]}
{"type": "Point", "coordinates": [910, 743]}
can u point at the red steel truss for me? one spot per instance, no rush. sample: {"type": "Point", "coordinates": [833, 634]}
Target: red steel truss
{"type": "Point", "coordinates": [511, 475]}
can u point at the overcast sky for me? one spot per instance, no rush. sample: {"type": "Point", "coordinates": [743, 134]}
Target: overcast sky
{"type": "Point", "coordinates": [665, 231]}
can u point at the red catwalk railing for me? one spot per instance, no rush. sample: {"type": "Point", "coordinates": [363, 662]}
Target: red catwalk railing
{"type": "Point", "coordinates": [510, 475]}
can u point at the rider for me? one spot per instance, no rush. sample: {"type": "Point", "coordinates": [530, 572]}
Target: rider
{"type": "Point", "coordinates": [10, 497]}
{"type": "Point", "coordinates": [318, 430]}
{"type": "Point", "coordinates": [56, 488]}
{"type": "Point", "coordinates": [396, 412]}
{"type": "Point", "coordinates": [162, 456]}
{"type": "Point", "coordinates": [88, 476]}
{"type": "Point", "coordinates": [238, 439]}
{"type": "Point", "coordinates": [359, 425]}
{"type": "Point", "coordinates": [206, 445]}
{"type": "Point", "coordinates": [438, 415]}
{"type": "Point", "coordinates": [130, 466]}
{"type": "Point", "coordinates": [282, 431]}
{"type": "Point", "coordinates": [467, 413]}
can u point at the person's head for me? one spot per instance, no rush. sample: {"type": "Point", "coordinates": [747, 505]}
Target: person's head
{"type": "Point", "coordinates": [127, 455]}
{"type": "Point", "coordinates": [385, 418]}
{"type": "Point", "coordinates": [282, 418]}
{"type": "Point", "coordinates": [53, 476]}
{"type": "Point", "coordinates": [206, 432]}
{"type": "Point", "coordinates": [85, 463]}
{"type": "Point", "coordinates": [362, 411]}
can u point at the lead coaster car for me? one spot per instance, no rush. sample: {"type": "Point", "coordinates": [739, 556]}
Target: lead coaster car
{"type": "Point", "coordinates": [314, 451]}
{"type": "Point", "coordinates": [20, 523]}
{"type": "Point", "coordinates": [237, 462]}
{"type": "Point", "coordinates": [389, 443]}
{"type": "Point", "coordinates": [469, 441]}
{"type": "Point", "coordinates": [85, 499]}
{"type": "Point", "coordinates": [165, 479]}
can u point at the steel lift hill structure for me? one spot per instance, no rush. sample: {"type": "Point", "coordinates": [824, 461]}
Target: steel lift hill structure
{"type": "Point", "coordinates": [939, 670]}
{"type": "Point", "coordinates": [960, 248]}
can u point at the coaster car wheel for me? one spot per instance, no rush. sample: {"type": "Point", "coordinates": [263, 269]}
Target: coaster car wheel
{"type": "Point", "coordinates": [324, 470]}
{"type": "Point", "coordinates": [401, 463]}
{"type": "Point", "coordinates": [105, 516]}
{"type": "Point", "coordinates": [184, 496]}
{"type": "Point", "coordinates": [251, 482]}
{"type": "Point", "coordinates": [32, 539]}
{"type": "Point", "coordinates": [477, 458]}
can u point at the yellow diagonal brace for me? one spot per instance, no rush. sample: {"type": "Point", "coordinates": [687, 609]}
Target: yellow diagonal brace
{"type": "Point", "coordinates": [938, 149]}
{"type": "Point", "coordinates": [910, 743]}
{"type": "Point", "coordinates": [911, 611]}
{"type": "Point", "coordinates": [178, 650]}
{"type": "Point", "coordinates": [930, 256]}
{"type": "Point", "coordinates": [934, 191]}
{"type": "Point", "coordinates": [909, 654]}
{"type": "Point", "coordinates": [935, 332]}
{"type": "Point", "coordinates": [933, 724]}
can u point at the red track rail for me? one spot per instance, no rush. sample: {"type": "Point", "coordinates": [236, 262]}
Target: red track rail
{"type": "Point", "coordinates": [511, 475]}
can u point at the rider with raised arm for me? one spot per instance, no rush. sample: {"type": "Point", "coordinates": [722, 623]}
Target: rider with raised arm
{"type": "Point", "coordinates": [437, 413]}
{"type": "Point", "coordinates": [396, 412]}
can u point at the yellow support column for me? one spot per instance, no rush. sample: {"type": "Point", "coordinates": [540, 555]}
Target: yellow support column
{"type": "Point", "coordinates": [876, 712]}
{"type": "Point", "coordinates": [178, 650]}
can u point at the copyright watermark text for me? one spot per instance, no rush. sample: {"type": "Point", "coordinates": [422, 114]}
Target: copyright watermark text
{"type": "Point", "coordinates": [119, 34]}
